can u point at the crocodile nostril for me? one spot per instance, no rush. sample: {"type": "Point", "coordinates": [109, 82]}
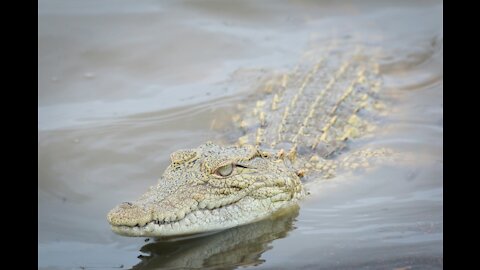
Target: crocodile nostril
{"type": "Point", "coordinates": [129, 214]}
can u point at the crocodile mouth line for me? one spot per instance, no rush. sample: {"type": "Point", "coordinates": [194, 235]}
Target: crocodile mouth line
{"type": "Point", "coordinates": [195, 214]}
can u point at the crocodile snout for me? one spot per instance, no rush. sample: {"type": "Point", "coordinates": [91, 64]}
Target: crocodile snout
{"type": "Point", "coordinates": [129, 214]}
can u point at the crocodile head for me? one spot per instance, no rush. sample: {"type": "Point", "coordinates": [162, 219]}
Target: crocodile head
{"type": "Point", "coordinates": [209, 188]}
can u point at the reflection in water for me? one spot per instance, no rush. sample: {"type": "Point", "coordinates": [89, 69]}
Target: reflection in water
{"type": "Point", "coordinates": [239, 246]}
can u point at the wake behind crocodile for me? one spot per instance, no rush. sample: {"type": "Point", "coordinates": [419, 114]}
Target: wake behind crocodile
{"type": "Point", "coordinates": [299, 126]}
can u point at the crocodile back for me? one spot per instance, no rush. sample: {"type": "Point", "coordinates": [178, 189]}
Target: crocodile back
{"type": "Point", "coordinates": [317, 107]}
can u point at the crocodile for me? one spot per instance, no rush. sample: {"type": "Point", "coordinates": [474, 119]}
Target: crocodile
{"type": "Point", "coordinates": [299, 125]}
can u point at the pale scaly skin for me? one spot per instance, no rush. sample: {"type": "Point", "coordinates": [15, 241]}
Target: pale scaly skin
{"type": "Point", "coordinates": [299, 126]}
{"type": "Point", "coordinates": [192, 198]}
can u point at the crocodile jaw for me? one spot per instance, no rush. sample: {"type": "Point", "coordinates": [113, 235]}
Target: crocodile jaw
{"type": "Point", "coordinates": [245, 211]}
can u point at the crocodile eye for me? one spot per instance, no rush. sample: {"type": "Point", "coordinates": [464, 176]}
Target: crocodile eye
{"type": "Point", "coordinates": [225, 170]}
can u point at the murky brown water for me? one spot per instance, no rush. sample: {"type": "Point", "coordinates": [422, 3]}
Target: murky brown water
{"type": "Point", "coordinates": [123, 84]}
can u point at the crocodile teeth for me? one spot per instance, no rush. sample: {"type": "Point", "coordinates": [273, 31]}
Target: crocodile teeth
{"type": "Point", "coordinates": [159, 217]}
{"type": "Point", "coordinates": [211, 205]}
{"type": "Point", "coordinates": [175, 225]}
{"type": "Point", "coordinates": [180, 215]}
{"type": "Point", "coordinates": [192, 218]}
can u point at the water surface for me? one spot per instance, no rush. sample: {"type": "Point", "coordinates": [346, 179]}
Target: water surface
{"type": "Point", "coordinates": [123, 84]}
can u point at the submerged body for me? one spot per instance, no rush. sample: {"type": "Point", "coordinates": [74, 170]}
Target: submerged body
{"type": "Point", "coordinates": [299, 126]}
